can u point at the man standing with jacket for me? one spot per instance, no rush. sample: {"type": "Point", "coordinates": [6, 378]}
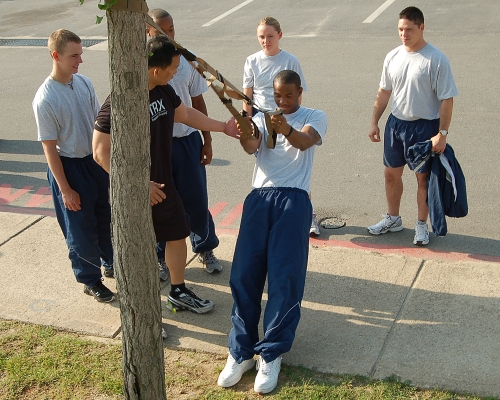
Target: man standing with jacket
{"type": "Point", "coordinates": [419, 78]}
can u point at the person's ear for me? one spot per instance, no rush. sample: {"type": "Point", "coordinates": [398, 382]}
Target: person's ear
{"type": "Point", "coordinates": [280, 35]}
{"type": "Point", "coordinates": [55, 55]}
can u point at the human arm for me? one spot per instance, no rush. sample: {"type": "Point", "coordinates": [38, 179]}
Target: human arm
{"type": "Point", "coordinates": [198, 120]}
{"type": "Point", "coordinates": [379, 107]}
{"type": "Point", "coordinates": [302, 140]}
{"type": "Point", "coordinates": [70, 198]}
{"type": "Point", "coordinates": [206, 151]}
{"type": "Point", "coordinates": [248, 107]}
{"type": "Point", "coordinates": [101, 149]}
{"type": "Point", "coordinates": [445, 112]}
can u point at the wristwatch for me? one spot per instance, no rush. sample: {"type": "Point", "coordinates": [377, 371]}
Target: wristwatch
{"type": "Point", "coordinates": [443, 132]}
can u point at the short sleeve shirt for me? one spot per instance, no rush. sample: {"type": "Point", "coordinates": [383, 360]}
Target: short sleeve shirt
{"type": "Point", "coordinates": [285, 165]}
{"type": "Point", "coordinates": [419, 82]}
{"type": "Point", "coordinates": [162, 104]}
{"type": "Point", "coordinates": [66, 113]}
{"type": "Point", "coordinates": [259, 73]}
{"type": "Point", "coordinates": [187, 83]}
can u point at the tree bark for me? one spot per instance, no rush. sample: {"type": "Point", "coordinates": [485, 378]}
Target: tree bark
{"type": "Point", "coordinates": [135, 261]}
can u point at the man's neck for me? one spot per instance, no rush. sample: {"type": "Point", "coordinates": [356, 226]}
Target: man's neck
{"type": "Point", "coordinates": [60, 76]}
{"type": "Point", "coordinates": [416, 47]}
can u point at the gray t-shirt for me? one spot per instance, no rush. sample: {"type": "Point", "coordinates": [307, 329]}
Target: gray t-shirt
{"type": "Point", "coordinates": [187, 83]}
{"type": "Point", "coordinates": [285, 165]}
{"type": "Point", "coordinates": [259, 73]}
{"type": "Point", "coordinates": [66, 113]}
{"type": "Point", "coordinates": [419, 82]}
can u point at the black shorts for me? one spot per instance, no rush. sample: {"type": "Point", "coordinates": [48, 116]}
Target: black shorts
{"type": "Point", "coordinates": [169, 218]}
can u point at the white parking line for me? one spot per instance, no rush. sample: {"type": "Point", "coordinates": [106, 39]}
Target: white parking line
{"type": "Point", "coordinates": [232, 10]}
{"type": "Point", "coordinates": [378, 11]}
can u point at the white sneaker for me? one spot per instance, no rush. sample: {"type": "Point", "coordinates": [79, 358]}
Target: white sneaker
{"type": "Point", "coordinates": [314, 231]}
{"type": "Point", "coordinates": [267, 377]}
{"type": "Point", "coordinates": [386, 225]}
{"type": "Point", "coordinates": [421, 234]}
{"type": "Point", "coordinates": [232, 372]}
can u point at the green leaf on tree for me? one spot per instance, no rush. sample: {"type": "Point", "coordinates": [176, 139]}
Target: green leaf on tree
{"type": "Point", "coordinates": [81, 2]}
{"type": "Point", "coordinates": [111, 3]}
{"type": "Point", "coordinates": [98, 19]}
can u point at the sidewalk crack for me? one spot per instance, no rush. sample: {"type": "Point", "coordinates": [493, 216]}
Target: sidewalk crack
{"type": "Point", "coordinates": [22, 230]}
{"type": "Point", "coordinates": [388, 337]}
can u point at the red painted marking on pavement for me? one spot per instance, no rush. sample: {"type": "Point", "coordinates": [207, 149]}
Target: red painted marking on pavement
{"type": "Point", "coordinates": [42, 195]}
{"type": "Point", "coordinates": [6, 196]}
{"type": "Point", "coordinates": [233, 214]}
{"type": "Point", "coordinates": [32, 211]}
{"type": "Point", "coordinates": [215, 210]}
{"type": "Point", "coordinates": [416, 252]}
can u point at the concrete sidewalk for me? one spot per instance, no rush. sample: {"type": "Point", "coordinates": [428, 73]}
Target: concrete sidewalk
{"type": "Point", "coordinates": [433, 322]}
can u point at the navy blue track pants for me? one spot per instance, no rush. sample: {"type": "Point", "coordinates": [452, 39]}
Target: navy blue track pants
{"type": "Point", "coordinates": [273, 242]}
{"type": "Point", "coordinates": [87, 231]}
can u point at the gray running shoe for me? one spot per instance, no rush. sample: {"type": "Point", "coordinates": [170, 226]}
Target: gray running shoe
{"type": "Point", "coordinates": [163, 270]}
{"type": "Point", "coordinates": [421, 234]}
{"type": "Point", "coordinates": [210, 262]}
{"type": "Point", "coordinates": [386, 225]}
{"type": "Point", "coordinates": [187, 300]}
{"type": "Point", "coordinates": [163, 333]}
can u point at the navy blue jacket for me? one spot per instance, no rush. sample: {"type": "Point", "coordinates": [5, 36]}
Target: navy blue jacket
{"type": "Point", "coordinates": [441, 186]}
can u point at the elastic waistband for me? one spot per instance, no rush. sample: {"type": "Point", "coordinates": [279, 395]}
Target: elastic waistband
{"type": "Point", "coordinates": [77, 159]}
{"type": "Point", "coordinates": [280, 189]}
{"type": "Point", "coordinates": [419, 120]}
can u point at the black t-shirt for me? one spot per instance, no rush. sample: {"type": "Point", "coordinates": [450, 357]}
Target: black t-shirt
{"type": "Point", "coordinates": [162, 104]}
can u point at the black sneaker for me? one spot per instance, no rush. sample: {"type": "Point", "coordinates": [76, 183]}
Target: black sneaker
{"type": "Point", "coordinates": [187, 300]}
{"type": "Point", "coordinates": [100, 292]}
{"type": "Point", "coordinates": [109, 272]}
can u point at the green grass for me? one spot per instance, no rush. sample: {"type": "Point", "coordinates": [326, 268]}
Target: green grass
{"type": "Point", "coordinates": [36, 359]}
{"type": "Point", "coordinates": [38, 362]}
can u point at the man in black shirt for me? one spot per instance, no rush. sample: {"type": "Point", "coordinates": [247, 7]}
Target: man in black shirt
{"type": "Point", "coordinates": [169, 218]}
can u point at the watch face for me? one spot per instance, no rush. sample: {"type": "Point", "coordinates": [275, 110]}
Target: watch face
{"type": "Point", "coordinates": [443, 132]}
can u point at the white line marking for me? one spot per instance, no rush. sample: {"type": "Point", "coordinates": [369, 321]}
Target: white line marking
{"type": "Point", "coordinates": [232, 10]}
{"type": "Point", "coordinates": [378, 11]}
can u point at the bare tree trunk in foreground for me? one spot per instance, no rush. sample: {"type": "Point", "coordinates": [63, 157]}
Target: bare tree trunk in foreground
{"type": "Point", "coordinates": [133, 237]}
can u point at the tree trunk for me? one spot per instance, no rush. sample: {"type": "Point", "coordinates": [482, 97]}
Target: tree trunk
{"type": "Point", "coordinates": [135, 261]}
